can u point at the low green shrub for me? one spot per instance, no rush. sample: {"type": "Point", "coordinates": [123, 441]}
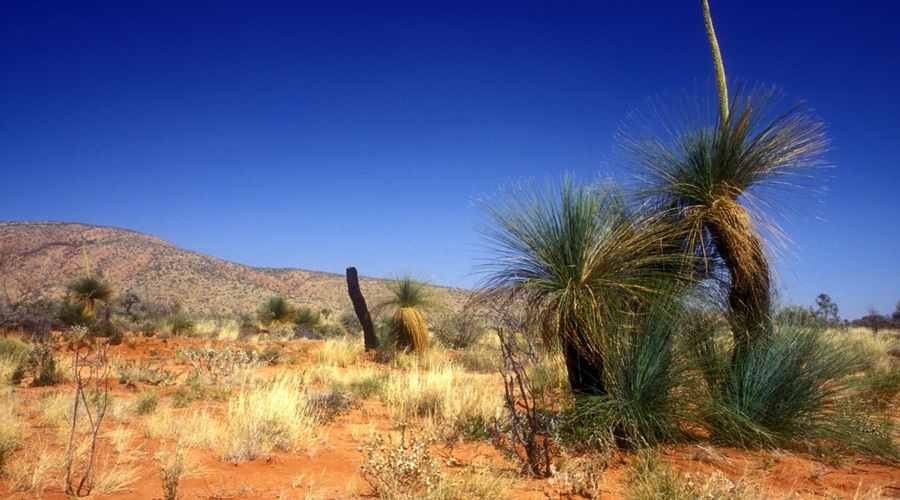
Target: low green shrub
{"type": "Point", "coordinates": [787, 392]}
{"type": "Point", "coordinates": [458, 330]}
{"type": "Point", "coordinates": [13, 356]}
{"type": "Point", "coordinates": [177, 325]}
{"type": "Point", "coordinates": [643, 367]}
{"type": "Point", "coordinates": [145, 402]}
{"type": "Point", "coordinates": [42, 366]}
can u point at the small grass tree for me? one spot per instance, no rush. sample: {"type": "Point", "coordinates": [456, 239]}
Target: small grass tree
{"type": "Point", "coordinates": [87, 292]}
{"type": "Point", "coordinates": [410, 298]}
{"type": "Point", "coordinates": [276, 311]}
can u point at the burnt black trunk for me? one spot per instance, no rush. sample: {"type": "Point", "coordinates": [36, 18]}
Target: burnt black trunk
{"type": "Point", "coordinates": [585, 375]}
{"type": "Point", "coordinates": [361, 309]}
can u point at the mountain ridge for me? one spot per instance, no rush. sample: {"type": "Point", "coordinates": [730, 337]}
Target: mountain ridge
{"type": "Point", "coordinates": [39, 258]}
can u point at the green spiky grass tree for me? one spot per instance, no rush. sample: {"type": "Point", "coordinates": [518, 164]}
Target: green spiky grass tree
{"type": "Point", "coordinates": [410, 298]}
{"type": "Point", "coordinates": [87, 292]}
{"type": "Point", "coordinates": [276, 311]}
{"type": "Point", "coordinates": [581, 262]}
{"type": "Point", "coordinates": [721, 176]}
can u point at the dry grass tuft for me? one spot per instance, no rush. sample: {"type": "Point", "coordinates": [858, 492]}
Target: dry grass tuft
{"type": "Point", "coordinates": [269, 416]}
{"type": "Point", "coordinates": [445, 398]}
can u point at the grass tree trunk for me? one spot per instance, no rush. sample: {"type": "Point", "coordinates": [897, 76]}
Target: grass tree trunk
{"type": "Point", "coordinates": [361, 309]}
{"type": "Point", "coordinates": [585, 374]}
{"type": "Point", "coordinates": [749, 293]}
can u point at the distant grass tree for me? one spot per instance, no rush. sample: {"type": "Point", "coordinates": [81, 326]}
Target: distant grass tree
{"type": "Point", "coordinates": [276, 311]}
{"type": "Point", "coordinates": [410, 298]}
{"type": "Point", "coordinates": [85, 293]}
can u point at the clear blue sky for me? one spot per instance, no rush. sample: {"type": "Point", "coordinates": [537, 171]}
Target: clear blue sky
{"type": "Point", "coordinates": [321, 135]}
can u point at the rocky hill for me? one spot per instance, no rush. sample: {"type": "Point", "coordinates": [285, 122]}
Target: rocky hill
{"type": "Point", "coordinates": [39, 259]}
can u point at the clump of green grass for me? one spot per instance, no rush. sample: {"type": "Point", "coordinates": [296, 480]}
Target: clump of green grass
{"type": "Point", "coordinates": [644, 367]}
{"type": "Point", "coordinates": [197, 390]}
{"type": "Point", "coordinates": [145, 402]}
{"type": "Point", "coordinates": [786, 393]}
{"type": "Point", "coordinates": [13, 356]}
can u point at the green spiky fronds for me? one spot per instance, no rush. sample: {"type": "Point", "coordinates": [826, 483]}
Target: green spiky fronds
{"type": "Point", "coordinates": [578, 258]}
{"type": "Point", "coordinates": [645, 363]}
{"type": "Point", "coordinates": [407, 291]}
{"type": "Point", "coordinates": [726, 181]}
{"type": "Point", "coordinates": [795, 386]}
{"type": "Point", "coordinates": [87, 292]}
{"type": "Point", "coordinates": [276, 311]}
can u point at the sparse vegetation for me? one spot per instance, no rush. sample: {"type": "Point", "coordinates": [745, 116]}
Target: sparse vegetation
{"type": "Point", "coordinates": [616, 329]}
{"type": "Point", "coordinates": [405, 469]}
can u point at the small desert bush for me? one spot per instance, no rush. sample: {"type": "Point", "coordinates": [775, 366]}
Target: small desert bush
{"type": "Point", "coordinates": [276, 415]}
{"type": "Point", "coordinates": [649, 478]}
{"type": "Point", "coordinates": [145, 402]}
{"type": "Point", "coordinates": [270, 355]}
{"type": "Point", "coordinates": [458, 330]}
{"type": "Point", "coordinates": [172, 469]}
{"type": "Point", "coordinates": [197, 390]}
{"type": "Point", "coordinates": [402, 469]}
{"type": "Point", "coordinates": [43, 366]}
{"type": "Point", "coordinates": [341, 351]}
{"type": "Point", "coordinates": [480, 358]}
{"type": "Point", "coordinates": [130, 372]}
{"type": "Point", "coordinates": [331, 403]}
{"type": "Point", "coordinates": [13, 355]}
{"type": "Point", "coordinates": [445, 398]}
{"type": "Point", "coordinates": [220, 365]}
{"type": "Point", "coordinates": [177, 325]}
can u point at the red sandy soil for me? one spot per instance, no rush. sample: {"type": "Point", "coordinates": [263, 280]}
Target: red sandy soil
{"type": "Point", "coordinates": [332, 469]}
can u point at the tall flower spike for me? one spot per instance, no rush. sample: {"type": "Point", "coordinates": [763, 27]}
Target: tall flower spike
{"type": "Point", "coordinates": [717, 61]}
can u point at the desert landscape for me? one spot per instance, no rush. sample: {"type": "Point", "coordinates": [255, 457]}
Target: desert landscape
{"type": "Point", "coordinates": [135, 404]}
{"type": "Point", "coordinates": [639, 297]}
